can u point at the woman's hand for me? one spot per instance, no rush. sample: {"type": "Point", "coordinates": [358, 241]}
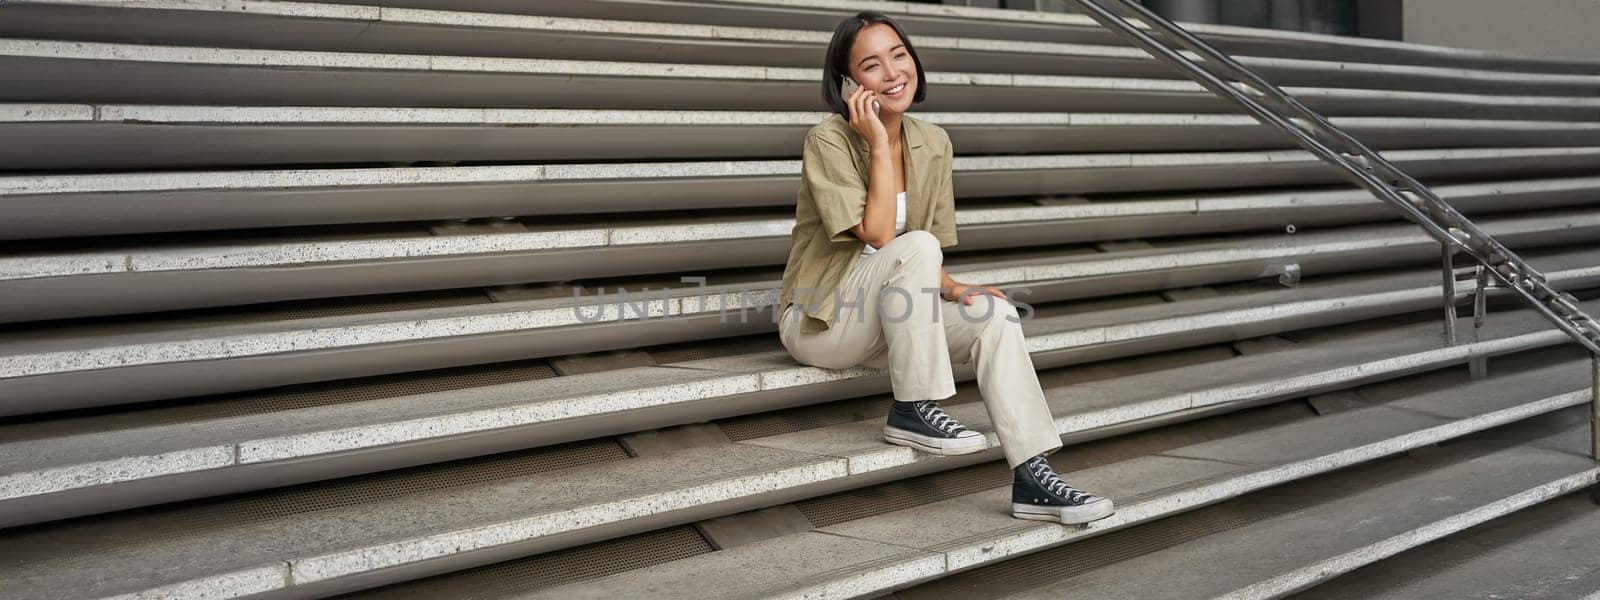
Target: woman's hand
{"type": "Point", "coordinates": [864, 119]}
{"type": "Point", "coordinates": [965, 293]}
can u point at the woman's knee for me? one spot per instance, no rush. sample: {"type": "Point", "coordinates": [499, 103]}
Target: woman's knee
{"type": "Point", "coordinates": [919, 242]}
{"type": "Point", "coordinates": [812, 351]}
{"type": "Point", "coordinates": [826, 360]}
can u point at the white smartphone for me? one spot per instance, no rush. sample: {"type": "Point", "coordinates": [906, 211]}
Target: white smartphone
{"type": "Point", "coordinates": [848, 86]}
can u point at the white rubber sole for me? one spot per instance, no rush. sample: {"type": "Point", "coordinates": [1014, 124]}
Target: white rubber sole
{"type": "Point", "coordinates": [1066, 515]}
{"type": "Point", "coordinates": [933, 445]}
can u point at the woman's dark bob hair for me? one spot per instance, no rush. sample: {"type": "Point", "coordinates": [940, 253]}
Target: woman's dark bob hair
{"type": "Point", "coordinates": [838, 61]}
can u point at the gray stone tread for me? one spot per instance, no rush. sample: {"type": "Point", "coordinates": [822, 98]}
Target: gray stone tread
{"type": "Point", "coordinates": [1224, 563]}
{"type": "Point", "coordinates": [1319, 45]}
{"type": "Point", "coordinates": [1333, 288]}
{"type": "Point", "coordinates": [977, 529]}
{"type": "Point", "coordinates": [116, 554]}
{"type": "Point", "coordinates": [363, 117]}
{"type": "Point", "coordinates": [1296, 442]}
{"type": "Point", "coordinates": [812, 565]}
{"type": "Point", "coordinates": [337, 542]}
{"type": "Point", "coordinates": [326, 251]}
{"type": "Point", "coordinates": [283, 181]}
{"type": "Point", "coordinates": [120, 442]}
{"type": "Point", "coordinates": [117, 436]}
{"type": "Point", "coordinates": [1299, 441]}
{"type": "Point", "coordinates": [377, 62]}
{"type": "Point", "coordinates": [433, 322]}
{"type": "Point", "coordinates": [218, 442]}
{"type": "Point", "coordinates": [462, 26]}
{"type": "Point", "coordinates": [1542, 552]}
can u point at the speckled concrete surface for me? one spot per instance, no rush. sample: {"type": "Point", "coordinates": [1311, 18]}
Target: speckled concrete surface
{"type": "Point", "coordinates": [68, 461]}
{"type": "Point", "coordinates": [435, 524]}
{"type": "Point", "coordinates": [977, 529]}
{"type": "Point", "coordinates": [118, 556]}
{"type": "Point", "coordinates": [32, 357]}
{"type": "Point", "coordinates": [1158, 320]}
{"type": "Point", "coordinates": [553, 117]}
{"type": "Point", "coordinates": [29, 357]}
{"type": "Point", "coordinates": [1270, 558]}
{"type": "Point", "coordinates": [656, 393]}
{"type": "Point", "coordinates": [246, 58]}
{"type": "Point", "coordinates": [1302, 449]}
{"type": "Point", "coordinates": [811, 568]}
{"type": "Point", "coordinates": [533, 25]}
{"type": "Point", "coordinates": [1462, 160]}
{"type": "Point", "coordinates": [552, 399]}
{"type": "Point", "coordinates": [46, 113]}
{"type": "Point", "coordinates": [290, 253]}
{"type": "Point", "coordinates": [1542, 552]}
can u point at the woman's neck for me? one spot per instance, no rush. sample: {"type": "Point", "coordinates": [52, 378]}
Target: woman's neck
{"type": "Point", "coordinates": [891, 123]}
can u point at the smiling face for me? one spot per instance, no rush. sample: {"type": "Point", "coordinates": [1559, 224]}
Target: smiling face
{"type": "Point", "coordinates": [880, 62]}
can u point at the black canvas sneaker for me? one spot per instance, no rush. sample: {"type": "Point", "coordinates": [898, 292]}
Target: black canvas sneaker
{"type": "Point", "coordinates": [926, 427]}
{"type": "Point", "coordinates": [1037, 493]}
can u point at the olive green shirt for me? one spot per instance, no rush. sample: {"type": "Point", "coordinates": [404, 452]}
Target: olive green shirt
{"type": "Point", "coordinates": [834, 174]}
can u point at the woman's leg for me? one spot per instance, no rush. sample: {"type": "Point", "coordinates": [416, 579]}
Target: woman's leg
{"type": "Point", "coordinates": [888, 318]}
{"type": "Point", "coordinates": [989, 333]}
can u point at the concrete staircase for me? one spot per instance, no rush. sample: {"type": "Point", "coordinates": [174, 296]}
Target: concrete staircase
{"type": "Point", "coordinates": [288, 292]}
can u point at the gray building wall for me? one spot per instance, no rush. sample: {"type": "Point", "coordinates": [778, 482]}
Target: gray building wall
{"type": "Point", "coordinates": [1556, 28]}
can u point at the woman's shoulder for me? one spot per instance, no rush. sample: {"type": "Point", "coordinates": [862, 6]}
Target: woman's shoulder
{"type": "Point", "coordinates": [832, 126]}
{"type": "Point", "coordinates": [930, 131]}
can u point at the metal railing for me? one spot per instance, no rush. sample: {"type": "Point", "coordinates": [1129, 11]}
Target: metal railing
{"type": "Point", "coordinates": [1497, 266]}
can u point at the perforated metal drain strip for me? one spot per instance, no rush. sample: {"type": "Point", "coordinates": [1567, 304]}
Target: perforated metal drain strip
{"type": "Point", "coordinates": [190, 518]}
{"type": "Point", "coordinates": [513, 577]}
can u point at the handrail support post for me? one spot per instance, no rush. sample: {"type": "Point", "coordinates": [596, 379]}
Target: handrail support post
{"type": "Point", "coordinates": [1448, 250]}
{"type": "Point", "coordinates": [1594, 408]}
{"type": "Point", "coordinates": [1479, 365]}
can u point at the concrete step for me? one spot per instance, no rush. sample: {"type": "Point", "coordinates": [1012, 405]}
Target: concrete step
{"type": "Point", "coordinates": [881, 553]}
{"type": "Point", "coordinates": [84, 136]}
{"type": "Point", "coordinates": [403, 536]}
{"type": "Point", "coordinates": [46, 369]}
{"type": "Point", "coordinates": [1540, 552]}
{"type": "Point", "coordinates": [1294, 538]}
{"type": "Point", "coordinates": [94, 464]}
{"type": "Point", "coordinates": [324, 27]}
{"type": "Point", "coordinates": [1034, 26]}
{"type": "Point", "coordinates": [34, 206]}
{"type": "Point", "coordinates": [40, 284]}
{"type": "Point", "coordinates": [47, 71]}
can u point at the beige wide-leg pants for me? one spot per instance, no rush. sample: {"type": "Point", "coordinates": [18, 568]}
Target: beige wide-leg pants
{"type": "Point", "coordinates": [892, 317]}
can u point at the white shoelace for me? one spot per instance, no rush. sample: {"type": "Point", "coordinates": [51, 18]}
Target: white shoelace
{"type": "Point", "coordinates": [936, 416]}
{"type": "Point", "coordinates": [1053, 483]}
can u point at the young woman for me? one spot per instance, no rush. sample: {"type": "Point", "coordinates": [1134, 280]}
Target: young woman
{"type": "Point", "coordinates": [865, 283]}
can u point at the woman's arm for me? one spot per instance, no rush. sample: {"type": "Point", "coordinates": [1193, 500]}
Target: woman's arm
{"type": "Point", "coordinates": [953, 290]}
{"type": "Point", "coordinates": [946, 283]}
{"type": "Point", "coordinates": [877, 222]}
{"type": "Point", "coordinates": [944, 227]}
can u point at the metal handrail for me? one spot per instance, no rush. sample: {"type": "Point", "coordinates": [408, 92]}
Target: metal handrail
{"type": "Point", "coordinates": [1270, 105]}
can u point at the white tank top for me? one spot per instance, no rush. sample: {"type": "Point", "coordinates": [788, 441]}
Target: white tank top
{"type": "Point", "coordinates": [899, 221]}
